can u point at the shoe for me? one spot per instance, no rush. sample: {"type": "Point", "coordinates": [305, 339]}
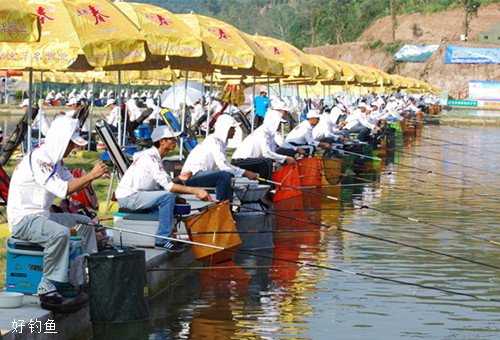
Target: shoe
{"type": "Point", "coordinates": [46, 286]}
{"type": "Point", "coordinates": [172, 247]}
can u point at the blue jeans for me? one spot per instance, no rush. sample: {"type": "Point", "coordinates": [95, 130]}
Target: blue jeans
{"type": "Point", "coordinates": [162, 200]}
{"type": "Point", "coordinates": [221, 180]}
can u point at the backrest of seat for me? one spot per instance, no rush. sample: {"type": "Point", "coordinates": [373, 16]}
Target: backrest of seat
{"type": "Point", "coordinates": [115, 152]}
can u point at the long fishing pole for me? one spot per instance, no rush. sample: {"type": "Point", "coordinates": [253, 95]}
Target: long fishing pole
{"type": "Point", "coordinates": [420, 221]}
{"type": "Point", "coordinates": [443, 161]}
{"type": "Point", "coordinates": [402, 189]}
{"type": "Point", "coordinates": [302, 263]}
{"type": "Point", "coordinates": [297, 188]}
{"type": "Point", "coordinates": [461, 144]}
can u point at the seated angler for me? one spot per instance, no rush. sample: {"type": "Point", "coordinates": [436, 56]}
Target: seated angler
{"type": "Point", "coordinates": [302, 137]}
{"type": "Point", "coordinates": [146, 185]}
{"type": "Point", "coordinates": [37, 181]}
{"type": "Point", "coordinates": [199, 167]}
{"type": "Point", "coordinates": [257, 151]}
{"type": "Point", "coordinates": [327, 130]}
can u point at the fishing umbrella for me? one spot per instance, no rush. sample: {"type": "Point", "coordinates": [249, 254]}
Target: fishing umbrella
{"type": "Point", "coordinates": [178, 95]}
{"type": "Point", "coordinates": [18, 23]}
{"type": "Point", "coordinates": [295, 62]}
{"type": "Point", "coordinates": [225, 48]}
{"type": "Point", "coordinates": [78, 35]}
{"type": "Point", "coordinates": [166, 34]}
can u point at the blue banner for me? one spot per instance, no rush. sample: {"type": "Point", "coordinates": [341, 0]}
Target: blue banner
{"type": "Point", "coordinates": [415, 53]}
{"type": "Point", "coordinates": [471, 55]}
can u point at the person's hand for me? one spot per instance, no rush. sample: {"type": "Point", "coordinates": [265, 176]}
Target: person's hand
{"type": "Point", "coordinates": [290, 160]}
{"type": "Point", "coordinates": [343, 139]}
{"type": "Point", "coordinates": [203, 195]}
{"type": "Point", "coordinates": [251, 175]}
{"type": "Point", "coordinates": [301, 151]}
{"type": "Point", "coordinates": [99, 170]}
{"type": "Point", "coordinates": [325, 145]}
{"type": "Point", "coordinates": [185, 176]}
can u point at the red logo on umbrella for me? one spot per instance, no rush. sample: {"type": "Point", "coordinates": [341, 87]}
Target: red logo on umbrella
{"type": "Point", "coordinates": [41, 13]}
{"type": "Point", "coordinates": [222, 34]}
{"type": "Point", "coordinates": [97, 15]}
{"type": "Point", "coordinates": [276, 50]}
{"type": "Point", "coordinates": [163, 21]}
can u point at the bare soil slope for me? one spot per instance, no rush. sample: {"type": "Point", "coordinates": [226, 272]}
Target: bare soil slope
{"type": "Point", "coordinates": [433, 28]}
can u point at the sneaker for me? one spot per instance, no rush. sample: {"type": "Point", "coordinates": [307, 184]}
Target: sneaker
{"type": "Point", "coordinates": [45, 287]}
{"type": "Point", "coordinates": [172, 247]}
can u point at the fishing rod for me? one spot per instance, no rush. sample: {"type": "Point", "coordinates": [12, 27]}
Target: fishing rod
{"type": "Point", "coordinates": [420, 221]}
{"type": "Point", "coordinates": [402, 189]}
{"type": "Point", "coordinates": [297, 188]}
{"type": "Point", "coordinates": [461, 145]}
{"type": "Point", "coordinates": [219, 267]}
{"type": "Point", "coordinates": [443, 161]}
{"type": "Point", "coordinates": [301, 263]}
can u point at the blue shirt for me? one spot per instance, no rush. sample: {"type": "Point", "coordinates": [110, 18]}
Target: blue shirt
{"type": "Point", "coordinates": [261, 105]}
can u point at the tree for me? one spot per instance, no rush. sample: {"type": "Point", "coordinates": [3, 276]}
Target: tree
{"type": "Point", "coordinates": [394, 7]}
{"type": "Point", "coordinates": [471, 7]}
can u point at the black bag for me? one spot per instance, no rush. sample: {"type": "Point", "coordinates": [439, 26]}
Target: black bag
{"type": "Point", "coordinates": [117, 286]}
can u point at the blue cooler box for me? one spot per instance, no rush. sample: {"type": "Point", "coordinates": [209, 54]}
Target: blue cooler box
{"type": "Point", "coordinates": [25, 264]}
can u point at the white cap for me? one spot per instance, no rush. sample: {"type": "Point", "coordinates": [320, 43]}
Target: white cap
{"type": "Point", "coordinates": [263, 89]}
{"type": "Point", "coordinates": [362, 104]}
{"type": "Point", "coordinates": [392, 98]}
{"type": "Point", "coordinates": [313, 114]}
{"type": "Point", "coordinates": [135, 96]}
{"type": "Point", "coordinates": [226, 120]}
{"type": "Point", "coordinates": [72, 101]}
{"type": "Point", "coordinates": [163, 132]}
{"type": "Point", "coordinates": [279, 105]}
{"type": "Point", "coordinates": [77, 139]}
{"type": "Point", "coordinates": [110, 101]}
{"type": "Point", "coordinates": [25, 102]}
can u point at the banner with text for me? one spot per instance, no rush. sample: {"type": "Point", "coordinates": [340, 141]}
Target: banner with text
{"type": "Point", "coordinates": [484, 90]}
{"type": "Point", "coordinates": [471, 55]}
{"type": "Point", "coordinates": [415, 53]}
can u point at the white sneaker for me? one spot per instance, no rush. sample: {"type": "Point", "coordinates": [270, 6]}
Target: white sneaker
{"type": "Point", "coordinates": [46, 286]}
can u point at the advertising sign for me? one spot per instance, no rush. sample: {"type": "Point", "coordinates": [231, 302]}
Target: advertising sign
{"type": "Point", "coordinates": [415, 53]}
{"type": "Point", "coordinates": [471, 55]}
{"type": "Point", "coordinates": [484, 90]}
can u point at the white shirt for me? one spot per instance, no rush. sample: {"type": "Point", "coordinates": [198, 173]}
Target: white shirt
{"type": "Point", "coordinates": [208, 154]}
{"type": "Point", "coordinates": [145, 174]}
{"type": "Point", "coordinates": [302, 134]}
{"type": "Point", "coordinates": [327, 125]}
{"type": "Point", "coordinates": [33, 188]}
{"type": "Point", "coordinates": [261, 142]}
{"type": "Point", "coordinates": [113, 117]}
{"type": "Point", "coordinates": [353, 119]}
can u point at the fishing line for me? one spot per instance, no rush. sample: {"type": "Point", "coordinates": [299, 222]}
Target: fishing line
{"type": "Point", "coordinates": [461, 145]}
{"type": "Point", "coordinates": [419, 221]}
{"type": "Point", "coordinates": [302, 263]}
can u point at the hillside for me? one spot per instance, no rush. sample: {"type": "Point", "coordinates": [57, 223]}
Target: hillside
{"type": "Point", "coordinates": [434, 28]}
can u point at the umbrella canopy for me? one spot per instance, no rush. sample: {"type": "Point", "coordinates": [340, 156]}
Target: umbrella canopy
{"type": "Point", "coordinates": [18, 22]}
{"type": "Point", "coordinates": [173, 98]}
{"type": "Point", "coordinates": [295, 62]}
{"type": "Point", "coordinates": [225, 48]}
{"type": "Point", "coordinates": [166, 34]}
{"type": "Point", "coordinates": [79, 35]}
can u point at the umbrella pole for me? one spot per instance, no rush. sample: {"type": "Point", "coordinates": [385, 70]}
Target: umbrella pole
{"type": "Point", "coordinates": [159, 103]}
{"type": "Point", "coordinates": [253, 104]}
{"type": "Point", "coordinates": [40, 120]}
{"type": "Point", "coordinates": [299, 100]}
{"type": "Point", "coordinates": [209, 103]}
{"type": "Point", "coordinates": [119, 101]}
{"type": "Point", "coordinates": [5, 89]}
{"type": "Point", "coordinates": [183, 120]}
{"type": "Point", "coordinates": [30, 107]}
{"type": "Point", "coordinates": [90, 114]}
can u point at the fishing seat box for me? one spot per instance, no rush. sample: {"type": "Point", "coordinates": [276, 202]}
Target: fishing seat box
{"type": "Point", "coordinates": [143, 223]}
{"type": "Point", "coordinates": [25, 263]}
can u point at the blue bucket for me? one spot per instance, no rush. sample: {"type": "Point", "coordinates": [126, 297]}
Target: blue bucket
{"type": "Point", "coordinates": [143, 132]}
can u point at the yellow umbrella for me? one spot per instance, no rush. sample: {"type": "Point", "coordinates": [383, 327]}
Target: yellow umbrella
{"type": "Point", "coordinates": [226, 48]}
{"type": "Point", "coordinates": [77, 34]}
{"type": "Point", "coordinates": [18, 23]}
{"type": "Point", "coordinates": [166, 34]}
{"type": "Point", "coordinates": [295, 62]}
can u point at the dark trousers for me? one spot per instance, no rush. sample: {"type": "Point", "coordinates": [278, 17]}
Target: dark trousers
{"type": "Point", "coordinates": [262, 166]}
{"type": "Point", "coordinates": [221, 180]}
